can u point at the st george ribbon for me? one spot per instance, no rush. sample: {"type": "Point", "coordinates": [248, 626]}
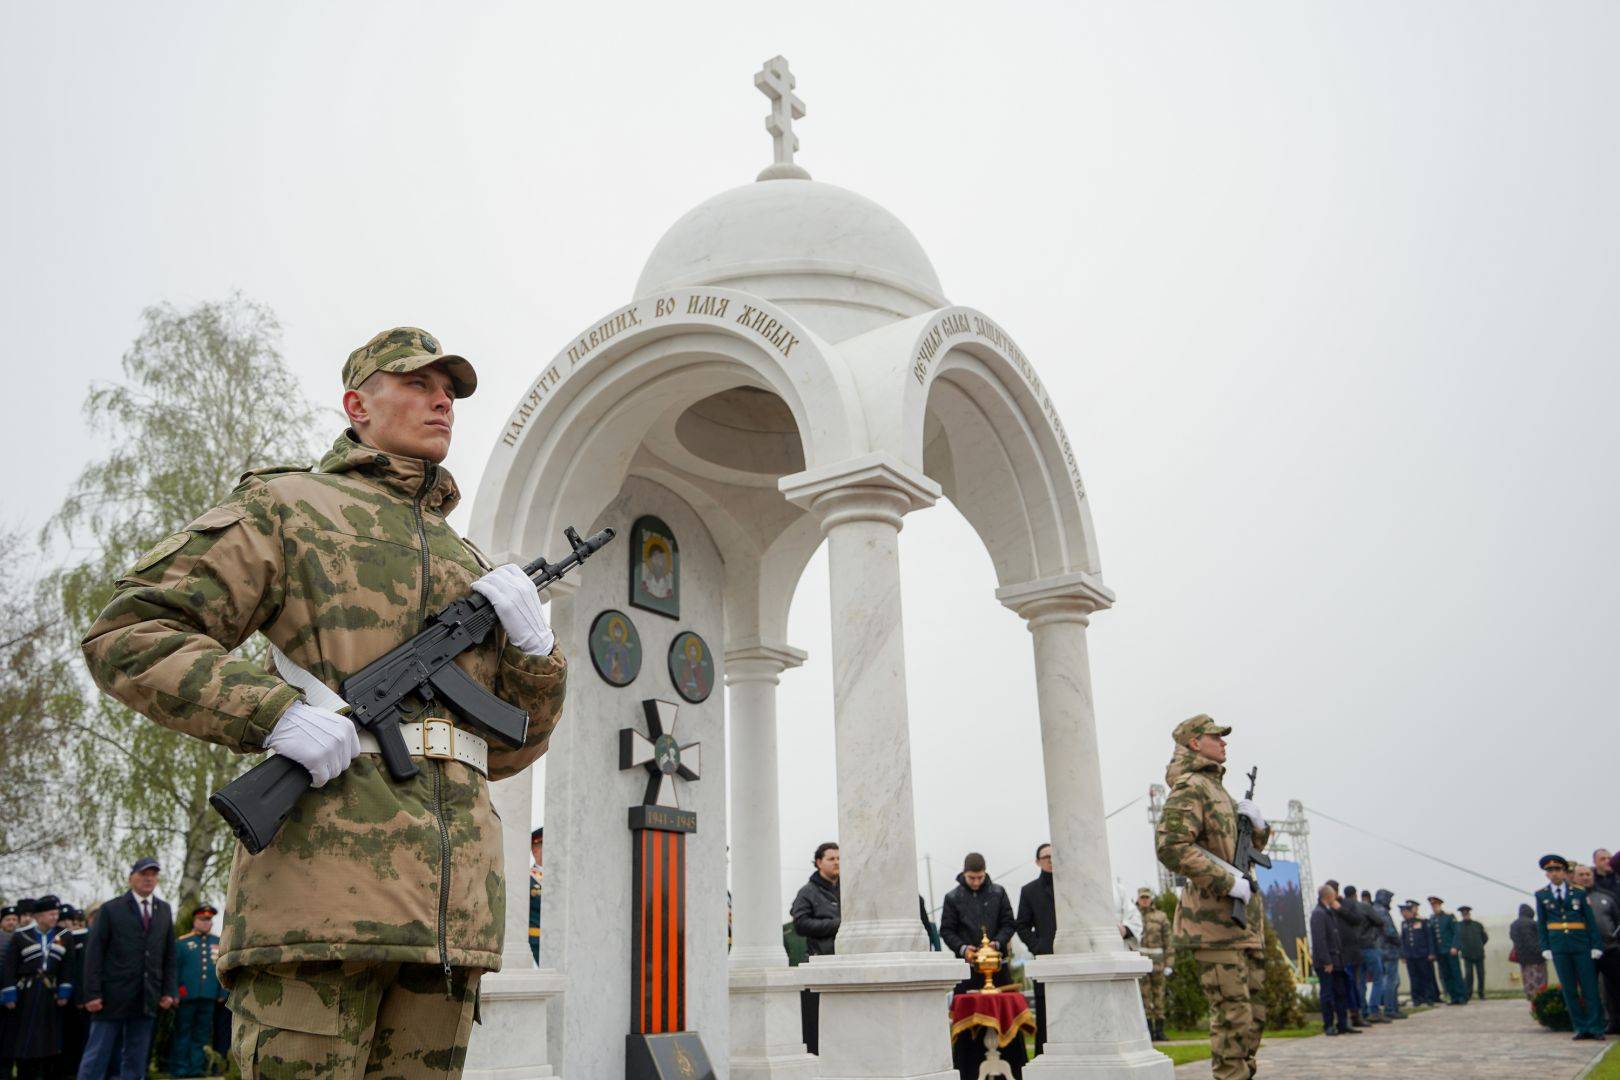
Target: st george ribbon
{"type": "Point", "coordinates": [658, 1045]}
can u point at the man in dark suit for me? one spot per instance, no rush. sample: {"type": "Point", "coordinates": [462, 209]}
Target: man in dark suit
{"type": "Point", "coordinates": [1037, 926]}
{"type": "Point", "coordinates": [129, 975]}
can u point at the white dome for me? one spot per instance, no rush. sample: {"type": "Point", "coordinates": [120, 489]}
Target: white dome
{"type": "Point", "coordinates": [836, 259]}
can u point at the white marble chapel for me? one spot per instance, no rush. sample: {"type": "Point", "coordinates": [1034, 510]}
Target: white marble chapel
{"type": "Point", "coordinates": [790, 373]}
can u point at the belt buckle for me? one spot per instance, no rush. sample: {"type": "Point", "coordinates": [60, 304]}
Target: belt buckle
{"type": "Point", "coordinates": [439, 740]}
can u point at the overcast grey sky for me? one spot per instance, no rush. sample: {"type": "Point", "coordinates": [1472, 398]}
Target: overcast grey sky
{"type": "Point", "coordinates": [1326, 295]}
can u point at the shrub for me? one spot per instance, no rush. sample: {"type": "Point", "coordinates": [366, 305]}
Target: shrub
{"type": "Point", "coordinates": [1186, 1007]}
{"type": "Point", "coordinates": [1550, 1011]}
{"type": "Point", "coordinates": [1283, 1006]}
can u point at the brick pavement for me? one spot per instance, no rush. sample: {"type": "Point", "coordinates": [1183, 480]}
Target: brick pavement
{"type": "Point", "coordinates": [1485, 1040]}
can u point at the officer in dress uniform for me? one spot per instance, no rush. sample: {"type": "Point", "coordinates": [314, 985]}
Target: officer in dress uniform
{"type": "Point", "coordinates": [537, 840]}
{"type": "Point", "coordinates": [1570, 939]}
{"type": "Point", "coordinates": [194, 956]}
{"type": "Point", "coordinates": [33, 993]}
{"type": "Point", "coordinates": [1443, 926]}
{"type": "Point", "coordinates": [1417, 949]}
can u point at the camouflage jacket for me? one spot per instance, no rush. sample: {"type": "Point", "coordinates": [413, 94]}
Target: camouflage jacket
{"type": "Point", "coordinates": [1155, 938]}
{"type": "Point", "coordinates": [335, 567]}
{"type": "Point", "coordinates": [1199, 813]}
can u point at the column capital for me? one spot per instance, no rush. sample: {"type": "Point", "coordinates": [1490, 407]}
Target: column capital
{"type": "Point", "coordinates": [756, 660]}
{"type": "Point", "coordinates": [1062, 597]}
{"type": "Point", "coordinates": [876, 486]}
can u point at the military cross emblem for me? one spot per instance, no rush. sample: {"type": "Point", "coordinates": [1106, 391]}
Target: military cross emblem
{"type": "Point", "coordinates": [659, 753]}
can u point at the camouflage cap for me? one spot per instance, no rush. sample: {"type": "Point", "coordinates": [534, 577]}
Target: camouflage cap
{"type": "Point", "coordinates": [1144, 891]}
{"type": "Point", "coordinates": [1197, 725]}
{"type": "Point", "coordinates": [407, 348]}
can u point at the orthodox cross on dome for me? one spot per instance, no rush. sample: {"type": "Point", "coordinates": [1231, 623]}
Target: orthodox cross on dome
{"type": "Point", "coordinates": [659, 753]}
{"type": "Point", "coordinates": [776, 82]}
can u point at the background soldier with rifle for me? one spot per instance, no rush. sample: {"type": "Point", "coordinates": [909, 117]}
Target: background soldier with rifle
{"type": "Point", "coordinates": [1212, 840]}
{"type": "Point", "coordinates": [354, 941]}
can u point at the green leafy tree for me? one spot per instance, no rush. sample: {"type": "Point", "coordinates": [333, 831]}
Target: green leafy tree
{"type": "Point", "coordinates": [37, 691]}
{"type": "Point", "coordinates": [205, 397]}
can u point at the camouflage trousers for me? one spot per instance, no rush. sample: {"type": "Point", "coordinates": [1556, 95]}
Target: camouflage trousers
{"type": "Point", "coordinates": [1152, 987]}
{"type": "Point", "coordinates": [351, 1019]}
{"type": "Point", "coordinates": [1232, 980]}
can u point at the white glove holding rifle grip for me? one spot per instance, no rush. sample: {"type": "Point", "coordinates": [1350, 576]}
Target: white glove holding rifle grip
{"type": "Point", "coordinates": [1240, 890]}
{"type": "Point", "coordinates": [1249, 809]}
{"type": "Point", "coordinates": [319, 739]}
{"type": "Point", "coordinates": [517, 604]}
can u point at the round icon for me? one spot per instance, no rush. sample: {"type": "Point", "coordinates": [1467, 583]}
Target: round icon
{"type": "Point", "coordinates": [691, 666]}
{"type": "Point", "coordinates": [615, 648]}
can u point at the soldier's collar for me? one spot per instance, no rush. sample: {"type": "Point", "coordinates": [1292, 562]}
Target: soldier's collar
{"type": "Point", "coordinates": [401, 475]}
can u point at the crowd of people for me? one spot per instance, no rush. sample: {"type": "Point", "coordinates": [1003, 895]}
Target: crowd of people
{"type": "Point", "coordinates": [1356, 947]}
{"type": "Point", "coordinates": [82, 991]}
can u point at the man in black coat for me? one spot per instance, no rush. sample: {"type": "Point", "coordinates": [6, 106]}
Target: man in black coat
{"type": "Point", "coordinates": [1037, 926]}
{"type": "Point", "coordinates": [815, 918]}
{"type": "Point", "coordinates": [1327, 957]}
{"type": "Point", "coordinates": [129, 975]}
{"type": "Point", "coordinates": [1352, 927]}
{"type": "Point", "coordinates": [975, 908]}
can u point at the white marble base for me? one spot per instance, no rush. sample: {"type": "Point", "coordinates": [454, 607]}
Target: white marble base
{"type": "Point", "coordinates": [1095, 1028]}
{"type": "Point", "coordinates": [510, 1043]}
{"type": "Point", "coordinates": [767, 1040]}
{"type": "Point", "coordinates": [884, 1014]}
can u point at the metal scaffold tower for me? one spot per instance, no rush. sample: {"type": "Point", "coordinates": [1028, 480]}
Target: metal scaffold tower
{"type": "Point", "coordinates": [1291, 839]}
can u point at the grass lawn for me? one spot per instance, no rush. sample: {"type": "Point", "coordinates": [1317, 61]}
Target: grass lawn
{"type": "Point", "coordinates": [1180, 1055]}
{"type": "Point", "coordinates": [1608, 1068]}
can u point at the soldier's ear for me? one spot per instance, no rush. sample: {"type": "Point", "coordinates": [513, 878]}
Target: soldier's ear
{"type": "Point", "coordinates": [354, 407]}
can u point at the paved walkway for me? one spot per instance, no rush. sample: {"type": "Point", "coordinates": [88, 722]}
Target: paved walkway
{"type": "Point", "coordinates": [1486, 1040]}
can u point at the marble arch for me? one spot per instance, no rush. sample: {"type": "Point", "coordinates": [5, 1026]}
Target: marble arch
{"type": "Point", "coordinates": [789, 375]}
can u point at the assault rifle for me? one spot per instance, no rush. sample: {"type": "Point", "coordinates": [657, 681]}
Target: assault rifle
{"type": "Point", "coordinates": [257, 803]}
{"type": "Point", "coordinates": [1247, 856]}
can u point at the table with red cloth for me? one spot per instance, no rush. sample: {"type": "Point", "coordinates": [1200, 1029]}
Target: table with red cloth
{"type": "Point", "coordinates": [999, 1019]}
{"type": "Point", "coordinates": [1005, 1012]}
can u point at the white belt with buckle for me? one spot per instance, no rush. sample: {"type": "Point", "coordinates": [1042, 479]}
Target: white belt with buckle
{"type": "Point", "coordinates": [437, 740]}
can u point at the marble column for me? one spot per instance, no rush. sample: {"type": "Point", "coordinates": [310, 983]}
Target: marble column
{"type": "Point", "coordinates": [511, 1041]}
{"type": "Point", "coordinates": [882, 995]}
{"type": "Point", "coordinates": [766, 1039]}
{"type": "Point", "coordinates": [1095, 1025]}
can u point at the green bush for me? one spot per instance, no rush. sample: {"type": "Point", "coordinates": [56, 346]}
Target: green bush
{"type": "Point", "coordinates": [1185, 1005]}
{"type": "Point", "coordinates": [1550, 1010]}
{"type": "Point", "coordinates": [1284, 1009]}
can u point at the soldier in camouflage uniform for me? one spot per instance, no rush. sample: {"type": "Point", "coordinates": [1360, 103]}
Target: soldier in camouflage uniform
{"type": "Point", "coordinates": [1199, 821]}
{"type": "Point", "coordinates": [355, 942]}
{"type": "Point", "coordinates": [1155, 945]}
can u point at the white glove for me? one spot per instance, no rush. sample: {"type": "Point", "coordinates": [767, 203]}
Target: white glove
{"type": "Point", "coordinates": [1546, 954]}
{"type": "Point", "coordinates": [1241, 890]}
{"type": "Point", "coordinates": [1249, 809]}
{"type": "Point", "coordinates": [1168, 970]}
{"type": "Point", "coordinates": [517, 604]}
{"type": "Point", "coordinates": [1597, 954]}
{"type": "Point", "coordinates": [318, 739]}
